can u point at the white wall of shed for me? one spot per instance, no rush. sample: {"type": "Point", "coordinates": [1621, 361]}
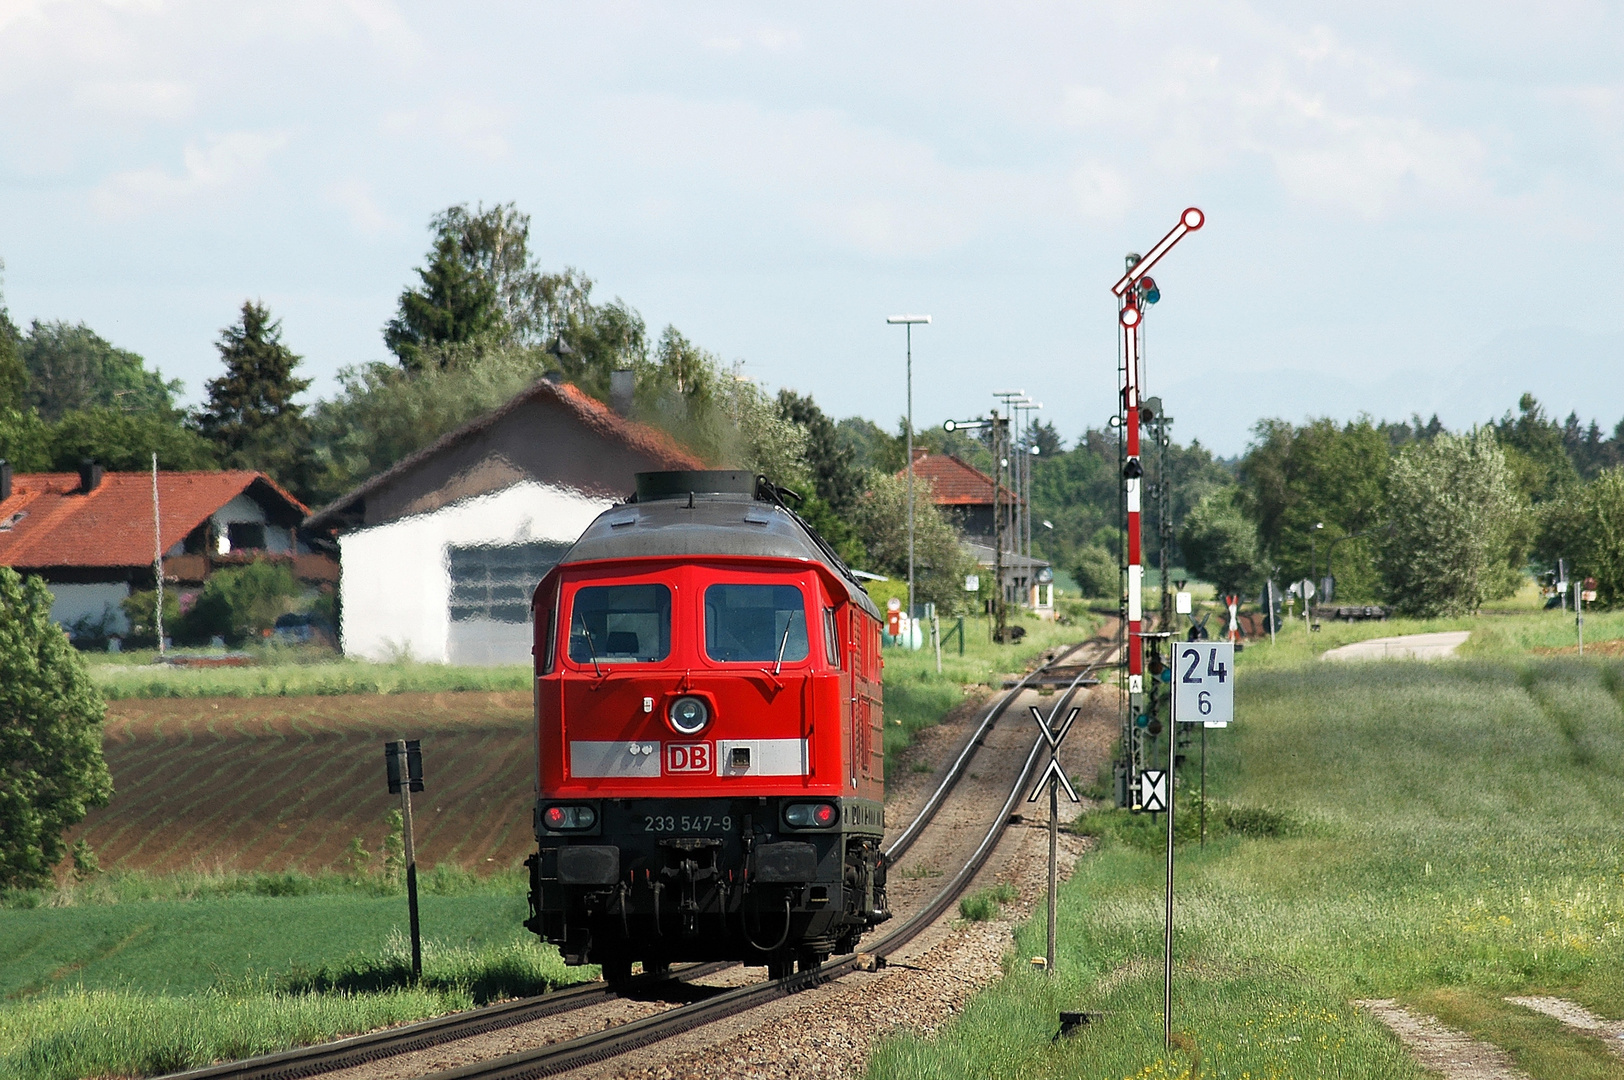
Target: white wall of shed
{"type": "Point", "coordinates": [393, 578]}
{"type": "Point", "coordinates": [95, 601]}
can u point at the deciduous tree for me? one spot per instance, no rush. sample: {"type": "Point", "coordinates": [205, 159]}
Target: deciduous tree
{"type": "Point", "coordinates": [1220, 543]}
{"type": "Point", "coordinates": [51, 767]}
{"type": "Point", "coordinates": [1456, 517]}
{"type": "Point", "coordinates": [72, 367]}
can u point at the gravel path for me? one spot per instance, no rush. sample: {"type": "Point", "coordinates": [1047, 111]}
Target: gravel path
{"type": "Point", "coordinates": [1454, 1054]}
{"type": "Point", "coordinates": [1404, 647]}
{"type": "Point", "coordinates": [1573, 1015]}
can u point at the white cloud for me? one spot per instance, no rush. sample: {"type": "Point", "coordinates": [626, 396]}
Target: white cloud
{"type": "Point", "coordinates": [150, 99]}
{"type": "Point", "coordinates": [477, 128]}
{"type": "Point", "coordinates": [358, 201]}
{"type": "Point", "coordinates": [224, 162]}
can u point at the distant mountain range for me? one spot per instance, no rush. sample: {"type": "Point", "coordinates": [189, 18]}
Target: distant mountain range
{"type": "Point", "coordinates": [1567, 370]}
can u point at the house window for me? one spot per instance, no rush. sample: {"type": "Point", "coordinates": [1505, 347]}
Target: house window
{"type": "Point", "coordinates": [494, 581]}
{"type": "Point", "coordinates": [243, 535]}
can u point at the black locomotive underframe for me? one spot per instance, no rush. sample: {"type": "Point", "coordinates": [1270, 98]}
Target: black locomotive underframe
{"type": "Point", "coordinates": [676, 880]}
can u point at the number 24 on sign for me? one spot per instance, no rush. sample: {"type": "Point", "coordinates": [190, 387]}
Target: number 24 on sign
{"type": "Point", "coordinates": [1204, 683]}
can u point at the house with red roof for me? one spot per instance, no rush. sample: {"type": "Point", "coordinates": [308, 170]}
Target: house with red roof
{"type": "Point", "coordinates": [94, 536]}
{"type": "Point", "coordinates": [965, 496]}
{"type": "Point", "coordinates": [439, 555]}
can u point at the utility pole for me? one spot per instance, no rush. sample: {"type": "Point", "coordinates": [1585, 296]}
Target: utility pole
{"type": "Point", "coordinates": [1000, 429]}
{"type": "Point", "coordinates": [910, 321]}
{"type": "Point", "coordinates": [157, 559]}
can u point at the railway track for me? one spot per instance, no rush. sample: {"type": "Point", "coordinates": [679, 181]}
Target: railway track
{"type": "Point", "coordinates": [599, 1046]}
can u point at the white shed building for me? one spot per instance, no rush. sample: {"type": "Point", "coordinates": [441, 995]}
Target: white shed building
{"type": "Point", "coordinates": [439, 555]}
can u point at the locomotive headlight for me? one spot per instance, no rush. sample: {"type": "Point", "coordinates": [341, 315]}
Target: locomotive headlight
{"type": "Point", "coordinates": [816, 815]}
{"type": "Point", "coordinates": [568, 818]}
{"type": "Point", "coordinates": [688, 715]}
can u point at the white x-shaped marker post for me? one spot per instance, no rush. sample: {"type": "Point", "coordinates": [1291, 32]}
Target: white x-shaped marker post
{"type": "Point", "coordinates": [1054, 736]}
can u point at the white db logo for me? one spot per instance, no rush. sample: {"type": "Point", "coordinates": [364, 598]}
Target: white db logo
{"type": "Point", "coordinates": [688, 757]}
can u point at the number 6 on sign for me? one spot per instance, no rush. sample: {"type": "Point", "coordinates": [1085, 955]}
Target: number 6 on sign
{"type": "Point", "coordinates": [1204, 692]}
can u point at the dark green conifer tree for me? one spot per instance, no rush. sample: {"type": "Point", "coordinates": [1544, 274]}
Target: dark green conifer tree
{"type": "Point", "coordinates": [251, 415]}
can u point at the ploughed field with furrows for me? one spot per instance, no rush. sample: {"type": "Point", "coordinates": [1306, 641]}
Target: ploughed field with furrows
{"type": "Point", "coordinates": [270, 784]}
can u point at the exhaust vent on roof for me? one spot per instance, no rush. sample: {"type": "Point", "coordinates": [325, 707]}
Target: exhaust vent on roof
{"type": "Point", "coordinates": [90, 476]}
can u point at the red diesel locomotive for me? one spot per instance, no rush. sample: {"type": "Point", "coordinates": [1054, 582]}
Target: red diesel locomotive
{"type": "Point", "coordinates": [708, 731]}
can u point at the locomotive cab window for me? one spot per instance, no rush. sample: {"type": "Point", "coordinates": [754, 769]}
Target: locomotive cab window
{"type": "Point", "coordinates": [831, 637]}
{"type": "Point", "coordinates": [621, 623]}
{"type": "Point", "coordinates": [755, 623]}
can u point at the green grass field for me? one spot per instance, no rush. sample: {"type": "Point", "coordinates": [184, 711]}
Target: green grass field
{"type": "Point", "coordinates": [136, 975]}
{"type": "Point", "coordinates": [1445, 833]}
{"type": "Point", "coordinates": [284, 673]}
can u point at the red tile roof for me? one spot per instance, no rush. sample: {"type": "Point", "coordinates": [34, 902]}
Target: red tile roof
{"type": "Point", "coordinates": [592, 413]}
{"type": "Point", "coordinates": [112, 525]}
{"type": "Point", "coordinates": [954, 481]}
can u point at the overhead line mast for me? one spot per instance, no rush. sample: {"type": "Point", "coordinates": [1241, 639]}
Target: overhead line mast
{"type": "Point", "coordinates": [1130, 318]}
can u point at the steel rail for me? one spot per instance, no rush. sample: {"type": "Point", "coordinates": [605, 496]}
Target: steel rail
{"type": "Point", "coordinates": [306, 1061]}
{"type": "Point", "coordinates": [613, 1042]}
{"type": "Point", "coordinates": [376, 1045]}
{"type": "Point", "coordinates": [956, 771]}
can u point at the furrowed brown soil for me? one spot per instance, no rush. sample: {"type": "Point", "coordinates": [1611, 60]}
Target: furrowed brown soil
{"type": "Point", "coordinates": [267, 784]}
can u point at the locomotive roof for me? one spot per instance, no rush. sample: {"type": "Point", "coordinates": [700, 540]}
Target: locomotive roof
{"type": "Point", "coordinates": [707, 513]}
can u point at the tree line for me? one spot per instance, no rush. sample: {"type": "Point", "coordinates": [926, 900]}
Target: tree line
{"type": "Point", "coordinates": [1410, 514]}
{"type": "Point", "coordinates": [481, 321]}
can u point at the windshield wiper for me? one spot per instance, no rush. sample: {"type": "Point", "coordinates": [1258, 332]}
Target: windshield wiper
{"type": "Point", "coordinates": [591, 651]}
{"type": "Point", "coordinates": [782, 645]}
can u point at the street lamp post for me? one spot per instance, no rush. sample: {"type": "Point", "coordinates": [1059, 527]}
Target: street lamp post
{"type": "Point", "coordinates": [910, 321]}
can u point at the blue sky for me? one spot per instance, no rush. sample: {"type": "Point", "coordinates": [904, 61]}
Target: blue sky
{"type": "Point", "coordinates": [1410, 208]}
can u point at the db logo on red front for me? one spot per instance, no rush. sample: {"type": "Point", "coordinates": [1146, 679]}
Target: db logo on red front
{"type": "Point", "coordinates": [688, 757]}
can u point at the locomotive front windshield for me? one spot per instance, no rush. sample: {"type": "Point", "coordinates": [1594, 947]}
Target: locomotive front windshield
{"type": "Point", "coordinates": [623, 623]}
{"type": "Point", "coordinates": [757, 623]}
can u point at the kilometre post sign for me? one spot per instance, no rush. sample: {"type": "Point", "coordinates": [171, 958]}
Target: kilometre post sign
{"type": "Point", "coordinates": [1204, 683]}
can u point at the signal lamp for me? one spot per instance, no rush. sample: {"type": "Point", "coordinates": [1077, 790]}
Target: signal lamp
{"type": "Point", "coordinates": [569, 818]}
{"type": "Point", "coordinates": [1148, 290]}
{"type": "Point", "coordinates": [1156, 666]}
{"type": "Point", "coordinates": [1141, 720]}
{"type": "Point", "coordinates": [688, 715]}
{"type": "Point", "coordinates": [1133, 470]}
{"type": "Point", "coordinates": [810, 815]}
{"type": "Point", "coordinates": [1154, 727]}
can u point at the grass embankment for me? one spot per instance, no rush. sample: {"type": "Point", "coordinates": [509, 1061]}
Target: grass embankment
{"type": "Point", "coordinates": [1446, 834]}
{"type": "Point", "coordinates": [288, 673]}
{"type": "Point", "coordinates": [131, 974]}
{"type": "Point", "coordinates": [916, 697]}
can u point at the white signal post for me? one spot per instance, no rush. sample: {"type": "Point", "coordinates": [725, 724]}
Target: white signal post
{"type": "Point", "coordinates": [1130, 317]}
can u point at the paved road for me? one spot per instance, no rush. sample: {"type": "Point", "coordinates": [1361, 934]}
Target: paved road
{"type": "Point", "coordinates": [1404, 647]}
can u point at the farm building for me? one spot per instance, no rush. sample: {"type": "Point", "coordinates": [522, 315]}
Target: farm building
{"type": "Point", "coordinates": [965, 496]}
{"type": "Point", "coordinates": [440, 553]}
{"type": "Point", "coordinates": [90, 535]}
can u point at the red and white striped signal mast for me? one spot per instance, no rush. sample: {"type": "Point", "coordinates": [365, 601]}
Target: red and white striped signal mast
{"type": "Point", "coordinates": [1129, 315]}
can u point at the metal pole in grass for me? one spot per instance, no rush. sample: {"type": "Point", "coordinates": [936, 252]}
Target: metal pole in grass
{"type": "Point", "coordinates": [1203, 785]}
{"type": "Point", "coordinates": [409, 752]}
{"type": "Point", "coordinates": [1167, 944]}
